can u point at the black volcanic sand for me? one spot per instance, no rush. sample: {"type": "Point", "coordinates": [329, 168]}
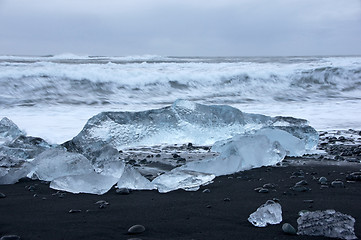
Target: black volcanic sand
{"type": "Point", "coordinates": [34, 211]}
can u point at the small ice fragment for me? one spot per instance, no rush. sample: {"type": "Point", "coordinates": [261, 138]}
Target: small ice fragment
{"type": "Point", "coordinates": [92, 183]}
{"type": "Point", "coordinates": [181, 179]}
{"type": "Point", "coordinates": [268, 213]}
{"type": "Point", "coordinates": [328, 223]}
{"type": "Point", "coordinates": [132, 179]}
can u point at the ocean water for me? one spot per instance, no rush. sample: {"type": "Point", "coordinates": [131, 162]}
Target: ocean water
{"type": "Point", "coordinates": [53, 96]}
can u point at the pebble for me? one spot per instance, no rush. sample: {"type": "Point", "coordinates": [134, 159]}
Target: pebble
{"type": "Point", "coordinates": [300, 188]}
{"type": "Point", "coordinates": [209, 206]}
{"type": "Point", "coordinates": [206, 190]}
{"type": "Point", "coordinates": [302, 183]}
{"type": "Point", "coordinates": [136, 229]}
{"type": "Point", "coordinates": [355, 176]}
{"type": "Point", "coordinates": [10, 237]}
{"type": "Point", "coordinates": [74, 211]}
{"type": "Point", "coordinates": [269, 185]}
{"type": "Point", "coordinates": [2, 195]}
{"type": "Point", "coordinates": [102, 204]}
{"type": "Point", "coordinates": [122, 191]}
{"type": "Point", "coordinates": [308, 201]}
{"type": "Point", "coordinates": [227, 199]}
{"type": "Point", "coordinates": [322, 180]}
{"type": "Point", "coordinates": [288, 229]}
{"type": "Point", "coordinates": [337, 184]}
{"type": "Point", "coordinates": [263, 190]}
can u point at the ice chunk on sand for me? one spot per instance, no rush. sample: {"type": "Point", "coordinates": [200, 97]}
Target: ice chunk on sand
{"type": "Point", "coordinates": [9, 130]}
{"type": "Point", "coordinates": [132, 179]}
{"type": "Point", "coordinates": [93, 183]}
{"type": "Point", "coordinates": [268, 213]}
{"type": "Point", "coordinates": [54, 163]}
{"type": "Point", "coordinates": [294, 146]}
{"type": "Point", "coordinates": [328, 223]}
{"type": "Point", "coordinates": [12, 174]}
{"type": "Point", "coordinates": [106, 161]}
{"type": "Point", "coordinates": [240, 153]}
{"type": "Point", "coordinates": [181, 179]}
{"type": "Point", "coordinates": [182, 122]}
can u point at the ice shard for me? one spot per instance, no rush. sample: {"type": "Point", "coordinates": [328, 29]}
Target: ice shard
{"type": "Point", "coordinates": [132, 179]}
{"type": "Point", "coordinates": [328, 223]}
{"type": "Point", "coordinates": [9, 130]}
{"type": "Point", "coordinates": [242, 152]}
{"type": "Point", "coordinates": [55, 163]}
{"type": "Point", "coordinates": [182, 122]}
{"type": "Point", "coordinates": [93, 183]}
{"type": "Point", "coordinates": [268, 213]}
{"type": "Point", "coordinates": [181, 179]}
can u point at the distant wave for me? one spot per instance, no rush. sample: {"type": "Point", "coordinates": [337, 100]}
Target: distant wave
{"type": "Point", "coordinates": [216, 80]}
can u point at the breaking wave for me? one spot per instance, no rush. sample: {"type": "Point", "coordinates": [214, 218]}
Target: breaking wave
{"type": "Point", "coordinates": [76, 80]}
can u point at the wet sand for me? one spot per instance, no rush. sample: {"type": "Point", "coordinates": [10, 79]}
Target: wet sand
{"type": "Point", "coordinates": [32, 210]}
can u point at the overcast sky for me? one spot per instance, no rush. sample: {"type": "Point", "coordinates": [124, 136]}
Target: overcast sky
{"type": "Point", "coordinates": [180, 27]}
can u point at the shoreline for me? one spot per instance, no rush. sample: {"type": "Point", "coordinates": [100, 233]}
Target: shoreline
{"type": "Point", "coordinates": [32, 210]}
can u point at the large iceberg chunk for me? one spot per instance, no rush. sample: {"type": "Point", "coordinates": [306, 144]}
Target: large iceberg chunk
{"type": "Point", "coordinates": [182, 122]}
{"type": "Point", "coordinates": [241, 152]}
{"type": "Point", "coordinates": [328, 223]}
{"type": "Point", "coordinates": [55, 163]}
{"type": "Point", "coordinates": [268, 213]}
{"type": "Point", "coordinates": [93, 183]}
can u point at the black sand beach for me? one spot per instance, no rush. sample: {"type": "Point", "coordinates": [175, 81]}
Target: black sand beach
{"type": "Point", "coordinates": [32, 210]}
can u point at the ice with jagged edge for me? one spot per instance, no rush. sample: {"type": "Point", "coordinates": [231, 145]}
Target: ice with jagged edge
{"type": "Point", "coordinates": [243, 152]}
{"type": "Point", "coordinates": [9, 130]}
{"type": "Point", "coordinates": [93, 183]}
{"type": "Point", "coordinates": [328, 223]}
{"type": "Point", "coordinates": [132, 179]}
{"type": "Point", "coordinates": [268, 213]}
{"type": "Point", "coordinates": [182, 122]}
{"type": "Point", "coordinates": [55, 163]}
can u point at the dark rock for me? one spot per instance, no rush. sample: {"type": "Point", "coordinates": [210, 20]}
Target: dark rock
{"type": "Point", "coordinates": [2, 195]}
{"type": "Point", "coordinates": [263, 190]}
{"type": "Point", "coordinates": [122, 191]}
{"type": "Point", "coordinates": [227, 199]}
{"type": "Point", "coordinates": [74, 211]}
{"type": "Point", "coordinates": [322, 180]}
{"type": "Point", "coordinates": [300, 188]}
{"type": "Point", "coordinates": [10, 237]}
{"type": "Point", "coordinates": [102, 204]}
{"type": "Point", "coordinates": [308, 201]}
{"type": "Point", "coordinates": [209, 206]}
{"type": "Point", "coordinates": [136, 229]}
{"type": "Point", "coordinates": [355, 176]}
{"type": "Point", "coordinates": [337, 184]}
{"type": "Point", "coordinates": [289, 229]}
{"type": "Point", "coordinates": [302, 183]}
{"type": "Point", "coordinates": [206, 190]}
{"type": "Point", "coordinates": [269, 185]}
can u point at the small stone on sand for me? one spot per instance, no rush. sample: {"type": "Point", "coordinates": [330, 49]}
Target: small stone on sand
{"type": "Point", "coordinates": [136, 229]}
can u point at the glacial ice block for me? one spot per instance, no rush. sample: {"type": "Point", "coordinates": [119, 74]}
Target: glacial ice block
{"type": "Point", "coordinates": [328, 223]}
{"type": "Point", "coordinates": [93, 183]}
{"type": "Point", "coordinates": [182, 122]}
{"type": "Point", "coordinates": [55, 163]}
{"type": "Point", "coordinates": [181, 179]}
{"type": "Point", "coordinates": [239, 153]}
{"type": "Point", "coordinates": [132, 179]}
{"type": "Point", "coordinates": [268, 213]}
{"type": "Point", "coordinates": [9, 130]}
